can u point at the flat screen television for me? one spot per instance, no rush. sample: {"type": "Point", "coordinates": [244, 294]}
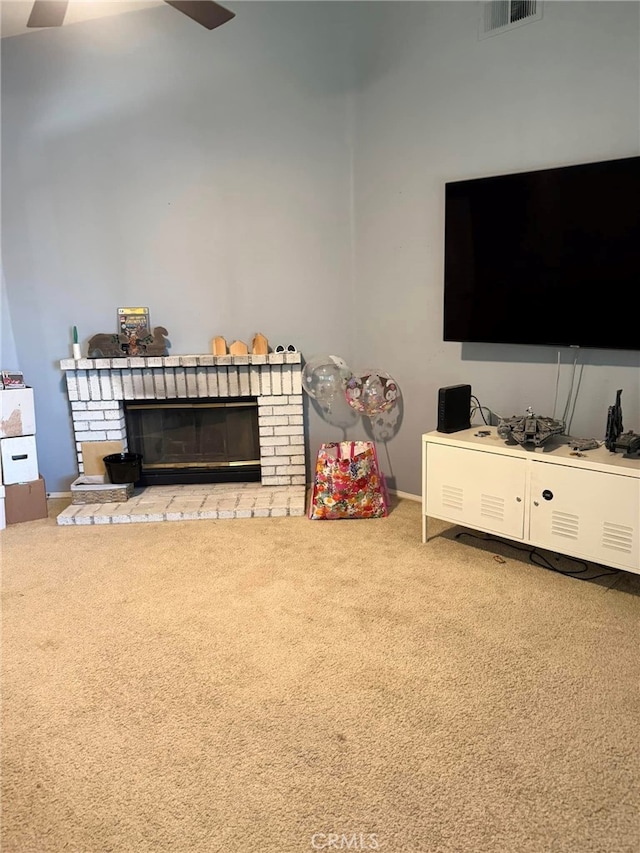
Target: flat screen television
{"type": "Point", "coordinates": [549, 257]}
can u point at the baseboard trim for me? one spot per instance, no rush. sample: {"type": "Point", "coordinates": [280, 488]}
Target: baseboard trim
{"type": "Point", "coordinates": [407, 495]}
{"type": "Point", "coordinates": [58, 494]}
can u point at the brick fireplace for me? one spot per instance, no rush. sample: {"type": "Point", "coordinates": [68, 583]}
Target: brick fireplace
{"type": "Point", "coordinates": [99, 388]}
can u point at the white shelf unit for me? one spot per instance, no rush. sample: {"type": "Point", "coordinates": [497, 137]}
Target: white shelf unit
{"type": "Point", "coordinates": [18, 454]}
{"type": "Point", "coordinates": [586, 507]}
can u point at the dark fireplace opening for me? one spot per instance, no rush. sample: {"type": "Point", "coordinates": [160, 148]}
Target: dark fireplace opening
{"type": "Point", "coordinates": [195, 441]}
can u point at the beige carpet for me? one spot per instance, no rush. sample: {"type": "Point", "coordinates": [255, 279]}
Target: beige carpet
{"type": "Point", "coordinates": [286, 685]}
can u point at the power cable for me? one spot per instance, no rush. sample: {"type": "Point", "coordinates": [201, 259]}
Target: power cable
{"type": "Point", "coordinates": [478, 407]}
{"type": "Point", "coordinates": [573, 375]}
{"type": "Point", "coordinates": [555, 399]}
{"type": "Point", "coordinates": [545, 564]}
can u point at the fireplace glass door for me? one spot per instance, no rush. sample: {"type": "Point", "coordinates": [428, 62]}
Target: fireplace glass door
{"type": "Point", "coordinates": [198, 441]}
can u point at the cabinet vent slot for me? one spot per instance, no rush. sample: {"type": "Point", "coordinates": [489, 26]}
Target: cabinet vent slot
{"type": "Point", "coordinates": [452, 497]}
{"type": "Point", "coordinates": [492, 507]}
{"type": "Point", "coordinates": [564, 524]}
{"type": "Point", "coordinates": [617, 537]}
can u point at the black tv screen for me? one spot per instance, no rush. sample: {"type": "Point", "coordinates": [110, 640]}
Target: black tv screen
{"type": "Point", "coordinates": [547, 257]}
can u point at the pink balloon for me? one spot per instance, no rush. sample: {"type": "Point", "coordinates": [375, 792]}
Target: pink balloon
{"type": "Point", "coordinates": [372, 392]}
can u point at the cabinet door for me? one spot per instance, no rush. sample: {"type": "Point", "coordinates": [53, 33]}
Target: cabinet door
{"type": "Point", "coordinates": [476, 489]}
{"type": "Point", "coordinates": [586, 514]}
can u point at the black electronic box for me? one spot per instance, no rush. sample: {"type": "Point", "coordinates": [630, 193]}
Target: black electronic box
{"type": "Point", "coordinates": [454, 408]}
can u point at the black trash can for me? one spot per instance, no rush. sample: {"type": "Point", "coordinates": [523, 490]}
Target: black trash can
{"type": "Point", "coordinates": [123, 467]}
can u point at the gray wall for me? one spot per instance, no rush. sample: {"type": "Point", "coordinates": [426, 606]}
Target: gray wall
{"type": "Point", "coordinates": [8, 352]}
{"type": "Point", "coordinates": [148, 161]}
{"type": "Point", "coordinates": [435, 103]}
{"type": "Point", "coordinates": [284, 174]}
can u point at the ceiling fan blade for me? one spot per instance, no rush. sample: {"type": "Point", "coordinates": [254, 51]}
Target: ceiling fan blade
{"type": "Point", "coordinates": [47, 13]}
{"type": "Point", "coordinates": [204, 12]}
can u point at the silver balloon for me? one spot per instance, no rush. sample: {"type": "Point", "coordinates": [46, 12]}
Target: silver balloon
{"type": "Point", "coordinates": [338, 412]}
{"type": "Point", "coordinates": [324, 377]}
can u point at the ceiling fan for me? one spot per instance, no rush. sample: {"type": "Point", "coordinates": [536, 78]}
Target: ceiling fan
{"type": "Point", "coordinates": [50, 13]}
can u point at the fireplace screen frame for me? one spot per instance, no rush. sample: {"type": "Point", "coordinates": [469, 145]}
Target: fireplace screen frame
{"type": "Point", "coordinates": [187, 472]}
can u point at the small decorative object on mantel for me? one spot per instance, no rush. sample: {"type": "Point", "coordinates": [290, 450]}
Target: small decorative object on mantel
{"type": "Point", "coordinates": [219, 346]}
{"type": "Point", "coordinates": [134, 324]}
{"type": "Point", "coordinates": [132, 320]}
{"type": "Point", "coordinates": [119, 346]}
{"type": "Point", "coordinates": [259, 345]}
{"type": "Point", "coordinates": [238, 348]}
{"type": "Point", "coordinates": [157, 343]}
{"type": "Point", "coordinates": [76, 346]}
{"type": "Point", "coordinates": [104, 345]}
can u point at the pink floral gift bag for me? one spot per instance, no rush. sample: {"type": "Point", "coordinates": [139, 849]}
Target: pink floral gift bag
{"type": "Point", "coordinates": [348, 482]}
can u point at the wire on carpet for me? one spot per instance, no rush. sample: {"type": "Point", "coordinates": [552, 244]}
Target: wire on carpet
{"type": "Point", "coordinates": [545, 564]}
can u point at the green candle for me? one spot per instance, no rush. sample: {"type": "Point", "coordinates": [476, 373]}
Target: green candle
{"type": "Point", "coordinates": [75, 334]}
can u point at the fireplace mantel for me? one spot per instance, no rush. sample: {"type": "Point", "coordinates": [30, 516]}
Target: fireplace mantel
{"type": "Point", "coordinates": [97, 387]}
{"type": "Point", "coordinates": [179, 361]}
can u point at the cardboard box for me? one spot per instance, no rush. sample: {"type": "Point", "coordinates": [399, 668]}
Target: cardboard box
{"type": "Point", "coordinates": [26, 501]}
{"type": "Point", "coordinates": [17, 412]}
{"type": "Point", "coordinates": [93, 452]}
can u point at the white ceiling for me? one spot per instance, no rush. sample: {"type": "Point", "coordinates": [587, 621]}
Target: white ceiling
{"type": "Point", "coordinates": [14, 14]}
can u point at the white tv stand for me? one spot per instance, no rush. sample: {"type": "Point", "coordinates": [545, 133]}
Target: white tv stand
{"type": "Point", "coordinates": [582, 506]}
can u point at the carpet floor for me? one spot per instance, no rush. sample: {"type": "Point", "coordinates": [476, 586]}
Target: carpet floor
{"type": "Point", "coordinates": [281, 685]}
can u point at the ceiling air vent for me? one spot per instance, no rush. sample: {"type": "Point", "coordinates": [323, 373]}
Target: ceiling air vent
{"type": "Point", "coordinates": [501, 15]}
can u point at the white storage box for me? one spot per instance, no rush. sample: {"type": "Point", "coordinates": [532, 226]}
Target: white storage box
{"type": "Point", "coordinates": [19, 459]}
{"type": "Point", "coordinates": [17, 412]}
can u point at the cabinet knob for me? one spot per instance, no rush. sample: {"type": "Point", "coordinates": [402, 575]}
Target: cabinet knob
{"type": "Point", "coordinates": [519, 500]}
{"type": "Point", "coordinates": [535, 503]}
